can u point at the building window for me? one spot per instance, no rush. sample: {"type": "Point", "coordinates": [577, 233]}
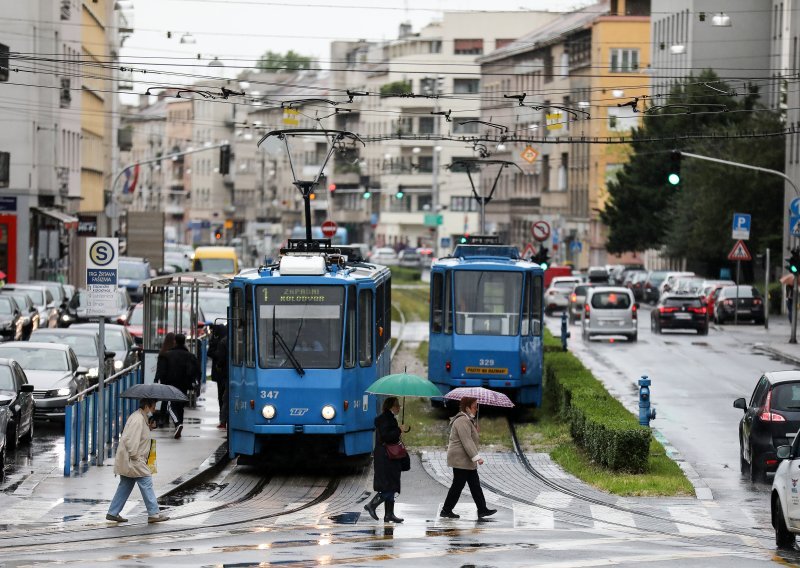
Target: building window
{"type": "Point", "coordinates": [563, 172]}
{"type": "Point", "coordinates": [425, 164]}
{"type": "Point", "coordinates": [468, 47]}
{"type": "Point", "coordinates": [624, 60]}
{"type": "Point", "coordinates": [426, 125]}
{"type": "Point", "coordinates": [436, 46]}
{"type": "Point", "coordinates": [424, 202]}
{"type": "Point", "coordinates": [466, 86]}
{"type": "Point", "coordinates": [622, 119]}
{"type": "Point", "coordinates": [498, 43]}
{"type": "Point", "coordinates": [461, 203]}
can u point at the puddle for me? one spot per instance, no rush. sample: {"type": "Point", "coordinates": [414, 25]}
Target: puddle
{"type": "Point", "coordinates": [350, 518]}
{"type": "Point", "coordinates": [190, 495]}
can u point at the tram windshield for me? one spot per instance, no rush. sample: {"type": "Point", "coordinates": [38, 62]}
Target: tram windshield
{"type": "Point", "coordinates": [309, 321]}
{"type": "Point", "coordinates": [487, 303]}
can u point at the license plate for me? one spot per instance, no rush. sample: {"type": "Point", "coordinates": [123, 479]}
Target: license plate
{"type": "Point", "coordinates": [486, 371]}
{"type": "Point", "coordinates": [683, 316]}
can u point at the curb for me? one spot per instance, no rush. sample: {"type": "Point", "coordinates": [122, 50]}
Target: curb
{"type": "Point", "coordinates": [212, 465]}
{"type": "Point", "coordinates": [776, 352]}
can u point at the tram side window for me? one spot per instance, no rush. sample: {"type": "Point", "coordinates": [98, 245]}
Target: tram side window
{"type": "Point", "coordinates": [238, 326]}
{"type": "Point", "coordinates": [379, 314]}
{"type": "Point", "coordinates": [365, 327]}
{"type": "Point", "coordinates": [350, 331]}
{"type": "Point", "coordinates": [526, 307]}
{"type": "Point", "coordinates": [249, 330]}
{"type": "Point", "coordinates": [536, 306]}
{"type": "Point", "coordinates": [437, 316]}
{"type": "Point", "coordinates": [448, 299]}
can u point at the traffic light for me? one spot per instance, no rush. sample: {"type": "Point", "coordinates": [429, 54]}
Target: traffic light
{"type": "Point", "coordinates": [674, 174]}
{"type": "Point", "coordinates": [793, 262]}
{"type": "Point", "coordinates": [312, 196]}
{"type": "Point", "coordinates": [399, 194]}
{"type": "Point", "coordinates": [332, 189]}
{"type": "Point", "coordinates": [367, 194]}
{"type": "Point", "coordinates": [224, 159]}
{"type": "Point", "coordinates": [217, 233]}
{"type": "Point", "coordinates": [464, 239]}
{"type": "Point", "coordinates": [542, 258]}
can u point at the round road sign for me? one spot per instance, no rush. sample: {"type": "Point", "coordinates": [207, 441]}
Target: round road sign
{"type": "Point", "coordinates": [329, 228]}
{"type": "Point", "coordinates": [540, 230]}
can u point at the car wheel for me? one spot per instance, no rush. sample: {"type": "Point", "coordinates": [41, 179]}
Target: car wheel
{"type": "Point", "coordinates": [756, 473]}
{"type": "Point", "coordinates": [633, 337]}
{"type": "Point", "coordinates": [11, 436]}
{"type": "Point", "coordinates": [28, 437]}
{"type": "Point", "coordinates": [744, 467]}
{"type": "Point", "coordinates": [783, 538]}
{"type": "Point", "coordinates": [703, 331]}
{"type": "Point", "coordinates": [2, 463]}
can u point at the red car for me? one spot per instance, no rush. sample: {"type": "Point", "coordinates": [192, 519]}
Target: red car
{"type": "Point", "coordinates": [710, 292]}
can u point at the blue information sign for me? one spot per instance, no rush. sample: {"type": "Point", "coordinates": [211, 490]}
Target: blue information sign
{"type": "Point", "coordinates": [794, 225]}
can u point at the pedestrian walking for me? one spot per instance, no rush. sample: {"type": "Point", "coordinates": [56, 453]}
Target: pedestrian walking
{"type": "Point", "coordinates": [181, 369]}
{"type": "Point", "coordinates": [386, 480]}
{"type": "Point", "coordinates": [135, 464]}
{"type": "Point", "coordinates": [218, 353]}
{"type": "Point", "coordinates": [161, 415]}
{"type": "Point", "coordinates": [463, 457]}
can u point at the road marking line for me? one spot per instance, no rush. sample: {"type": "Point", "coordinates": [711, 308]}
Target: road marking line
{"type": "Point", "coordinates": [553, 499]}
{"type": "Point", "coordinates": [530, 517]}
{"type": "Point", "coordinates": [696, 516]}
{"type": "Point", "coordinates": [610, 518]}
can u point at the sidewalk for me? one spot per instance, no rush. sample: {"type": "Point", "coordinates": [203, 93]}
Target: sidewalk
{"type": "Point", "coordinates": [774, 340]}
{"type": "Point", "coordinates": [84, 497]}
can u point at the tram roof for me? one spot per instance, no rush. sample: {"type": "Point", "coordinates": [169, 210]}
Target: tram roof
{"type": "Point", "coordinates": [349, 273]}
{"type": "Point", "coordinates": [486, 262]}
{"type": "Point", "coordinates": [183, 279]}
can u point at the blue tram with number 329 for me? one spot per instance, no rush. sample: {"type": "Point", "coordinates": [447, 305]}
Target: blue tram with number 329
{"type": "Point", "coordinates": [306, 338]}
{"type": "Point", "coordinates": [486, 322]}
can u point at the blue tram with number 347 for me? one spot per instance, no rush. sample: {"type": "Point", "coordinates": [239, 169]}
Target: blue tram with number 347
{"type": "Point", "coordinates": [486, 322]}
{"type": "Point", "coordinates": [306, 338]}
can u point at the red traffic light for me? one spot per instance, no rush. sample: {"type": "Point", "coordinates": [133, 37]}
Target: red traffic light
{"type": "Point", "coordinates": [332, 187]}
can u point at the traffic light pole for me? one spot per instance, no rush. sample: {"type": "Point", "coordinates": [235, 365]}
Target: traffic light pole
{"type": "Point", "coordinates": [793, 338]}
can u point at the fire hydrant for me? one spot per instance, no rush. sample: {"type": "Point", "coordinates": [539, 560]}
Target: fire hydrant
{"type": "Point", "coordinates": [646, 414]}
{"type": "Point", "coordinates": [564, 331]}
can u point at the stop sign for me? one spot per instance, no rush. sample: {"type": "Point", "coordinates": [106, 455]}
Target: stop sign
{"type": "Point", "coordinates": [329, 228]}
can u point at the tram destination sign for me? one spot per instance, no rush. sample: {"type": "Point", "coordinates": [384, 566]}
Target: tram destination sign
{"type": "Point", "coordinates": [102, 265]}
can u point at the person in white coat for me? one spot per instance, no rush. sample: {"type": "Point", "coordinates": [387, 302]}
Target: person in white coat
{"type": "Point", "coordinates": [131, 464]}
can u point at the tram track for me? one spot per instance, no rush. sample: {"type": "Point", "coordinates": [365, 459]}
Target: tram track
{"type": "Point", "coordinates": [654, 518]}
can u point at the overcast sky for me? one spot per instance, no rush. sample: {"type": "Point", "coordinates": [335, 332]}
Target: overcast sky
{"type": "Point", "coordinates": [244, 29]}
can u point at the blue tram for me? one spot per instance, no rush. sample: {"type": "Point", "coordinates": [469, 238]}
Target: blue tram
{"type": "Point", "coordinates": [486, 322]}
{"type": "Point", "coordinates": [306, 337]}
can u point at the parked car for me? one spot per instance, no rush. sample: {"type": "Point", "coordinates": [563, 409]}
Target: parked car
{"type": "Point", "coordinates": [557, 295]}
{"type": "Point", "coordinates": [710, 291]}
{"type": "Point", "coordinates": [668, 284]}
{"type": "Point", "coordinates": [17, 395]}
{"type": "Point", "coordinates": [742, 302]}
{"type": "Point", "coordinates": [29, 312]}
{"type": "Point", "coordinates": [610, 310]}
{"type": "Point", "coordinates": [4, 417]}
{"type": "Point", "coordinates": [86, 345]}
{"type": "Point", "coordinates": [59, 296]}
{"type": "Point", "coordinates": [118, 340]}
{"type": "Point", "coordinates": [621, 276]}
{"type": "Point", "coordinates": [771, 419]}
{"type": "Point", "coordinates": [11, 319]}
{"type": "Point", "coordinates": [784, 503]}
{"type": "Point", "coordinates": [651, 289]}
{"type": "Point", "coordinates": [78, 312]}
{"type": "Point", "coordinates": [384, 255]}
{"type": "Point", "coordinates": [134, 321]}
{"type": "Point", "coordinates": [425, 256]}
{"type": "Point", "coordinates": [132, 273]}
{"type": "Point", "coordinates": [41, 298]}
{"type": "Point", "coordinates": [70, 291]}
{"type": "Point", "coordinates": [675, 311]}
{"type": "Point", "coordinates": [214, 304]}
{"type": "Point", "coordinates": [409, 258]}
{"type": "Point", "coordinates": [52, 369]}
{"type": "Point", "coordinates": [577, 300]}
{"type": "Point", "coordinates": [634, 281]}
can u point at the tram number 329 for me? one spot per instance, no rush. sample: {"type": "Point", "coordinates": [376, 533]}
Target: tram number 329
{"type": "Point", "coordinates": [269, 394]}
{"type": "Point", "coordinates": [482, 363]}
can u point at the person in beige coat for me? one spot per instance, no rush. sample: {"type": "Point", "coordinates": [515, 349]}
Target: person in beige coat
{"type": "Point", "coordinates": [132, 467]}
{"type": "Point", "coordinates": [463, 457]}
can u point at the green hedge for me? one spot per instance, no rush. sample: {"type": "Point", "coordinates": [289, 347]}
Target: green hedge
{"type": "Point", "coordinates": [599, 423]}
{"type": "Point", "coordinates": [552, 344]}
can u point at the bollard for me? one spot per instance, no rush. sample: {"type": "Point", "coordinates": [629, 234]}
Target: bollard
{"type": "Point", "coordinates": [565, 334]}
{"type": "Point", "coordinates": [646, 414]}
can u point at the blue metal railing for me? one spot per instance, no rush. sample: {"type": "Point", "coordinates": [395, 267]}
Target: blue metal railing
{"type": "Point", "coordinates": [81, 423]}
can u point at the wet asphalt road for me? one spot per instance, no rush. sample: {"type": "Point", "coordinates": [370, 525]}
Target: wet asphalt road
{"type": "Point", "coordinates": [35, 460]}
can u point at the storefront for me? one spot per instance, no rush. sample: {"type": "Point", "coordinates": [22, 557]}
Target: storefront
{"type": "Point", "coordinates": [51, 237]}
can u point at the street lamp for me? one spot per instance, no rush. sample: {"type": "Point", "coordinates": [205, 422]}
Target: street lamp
{"type": "Point", "coordinates": [721, 20]}
{"type": "Point", "coordinates": [677, 49]}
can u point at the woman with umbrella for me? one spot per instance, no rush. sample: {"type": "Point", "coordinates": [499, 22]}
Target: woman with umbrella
{"type": "Point", "coordinates": [133, 464]}
{"type": "Point", "coordinates": [463, 457]}
{"type": "Point", "coordinates": [386, 479]}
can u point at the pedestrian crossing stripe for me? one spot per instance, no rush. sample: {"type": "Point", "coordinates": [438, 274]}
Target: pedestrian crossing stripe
{"type": "Point", "coordinates": [739, 252]}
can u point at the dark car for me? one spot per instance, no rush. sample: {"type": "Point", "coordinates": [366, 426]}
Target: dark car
{"type": "Point", "coordinates": [634, 281]}
{"type": "Point", "coordinates": [30, 315]}
{"type": "Point", "coordinates": [86, 345]}
{"type": "Point", "coordinates": [4, 418]}
{"type": "Point", "coordinates": [11, 319]}
{"type": "Point", "coordinates": [60, 298]}
{"type": "Point", "coordinates": [771, 419]}
{"type": "Point", "coordinates": [78, 312]}
{"type": "Point", "coordinates": [679, 312]}
{"type": "Point", "coordinates": [41, 298]}
{"type": "Point", "coordinates": [741, 302]}
{"type": "Point", "coordinates": [119, 340]}
{"type": "Point", "coordinates": [16, 394]}
{"type": "Point", "coordinates": [132, 273]}
{"type": "Point", "coordinates": [650, 291]}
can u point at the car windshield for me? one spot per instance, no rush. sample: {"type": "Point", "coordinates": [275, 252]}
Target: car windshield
{"type": "Point", "coordinates": [82, 345]}
{"type": "Point", "coordinates": [214, 265]}
{"type": "Point", "coordinates": [115, 341]}
{"type": "Point", "coordinates": [656, 277]}
{"type": "Point", "coordinates": [22, 299]}
{"type": "Point", "coordinates": [6, 379]}
{"type": "Point", "coordinates": [309, 321]}
{"type": "Point", "coordinates": [683, 302]}
{"type": "Point", "coordinates": [214, 305]}
{"type": "Point", "coordinates": [36, 359]}
{"type": "Point", "coordinates": [611, 301]}
{"type": "Point", "coordinates": [487, 303]}
{"type": "Point", "coordinates": [36, 296]}
{"type": "Point", "coordinates": [744, 292]}
{"type": "Point", "coordinates": [786, 396]}
{"type": "Point", "coordinates": [6, 306]}
{"type": "Point", "coordinates": [564, 284]}
{"type": "Point", "coordinates": [133, 270]}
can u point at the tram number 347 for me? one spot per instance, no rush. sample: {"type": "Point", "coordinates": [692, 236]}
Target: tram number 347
{"type": "Point", "coordinates": [269, 394]}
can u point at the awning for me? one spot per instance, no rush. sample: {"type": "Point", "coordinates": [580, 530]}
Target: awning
{"type": "Point", "coordinates": [68, 221]}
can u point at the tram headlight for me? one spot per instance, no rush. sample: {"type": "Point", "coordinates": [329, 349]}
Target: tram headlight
{"type": "Point", "coordinates": [328, 412]}
{"type": "Point", "coordinates": [268, 411]}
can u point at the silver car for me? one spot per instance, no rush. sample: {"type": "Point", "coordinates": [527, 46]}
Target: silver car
{"type": "Point", "coordinates": [556, 297]}
{"type": "Point", "coordinates": [610, 310]}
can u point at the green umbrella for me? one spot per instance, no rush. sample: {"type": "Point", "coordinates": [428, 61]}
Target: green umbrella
{"type": "Point", "coordinates": [404, 384]}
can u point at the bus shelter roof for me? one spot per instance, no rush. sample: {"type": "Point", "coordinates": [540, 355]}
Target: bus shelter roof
{"type": "Point", "coordinates": [184, 279]}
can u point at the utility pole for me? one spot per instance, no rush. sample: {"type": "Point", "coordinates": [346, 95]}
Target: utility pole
{"type": "Point", "coordinates": [435, 167]}
{"type": "Point", "coordinates": [766, 290]}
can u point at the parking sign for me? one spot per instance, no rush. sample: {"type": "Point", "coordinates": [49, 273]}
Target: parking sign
{"type": "Point", "coordinates": [102, 265]}
{"type": "Point", "coordinates": [741, 226]}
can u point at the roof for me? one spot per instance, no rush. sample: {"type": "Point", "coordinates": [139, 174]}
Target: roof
{"type": "Point", "coordinates": [188, 278]}
{"type": "Point", "coordinates": [64, 331]}
{"type": "Point", "coordinates": [95, 325]}
{"type": "Point", "coordinates": [36, 345]}
{"type": "Point", "coordinates": [550, 32]}
{"type": "Point", "coordinates": [776, 377]}
{"type": "Point", "coordinates": [484, 262]}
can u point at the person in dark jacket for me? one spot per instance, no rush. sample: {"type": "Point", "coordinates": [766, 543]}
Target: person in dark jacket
{"type": "Point", "coordinates": [218, 353]}
{"type": "Point", "coordinates": [387, 472]}
{"type": "Point", "coordinates": [162, 416]}
{"type": "Point", "coordinates": [181, 370]}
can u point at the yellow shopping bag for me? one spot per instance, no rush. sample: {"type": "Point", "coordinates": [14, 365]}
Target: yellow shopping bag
{"type": "Point", "coordinates": [151, 457]}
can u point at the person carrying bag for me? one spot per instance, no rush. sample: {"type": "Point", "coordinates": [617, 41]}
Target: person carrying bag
{"type": "Point", "coordinates": [391, 458]}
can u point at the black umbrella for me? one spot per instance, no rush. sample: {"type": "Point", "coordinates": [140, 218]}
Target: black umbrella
{"type": "Point", "coordinates": [156, 391]}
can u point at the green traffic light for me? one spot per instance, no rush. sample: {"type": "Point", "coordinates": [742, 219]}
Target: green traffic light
{"type": "Point", "coordinates": [544, 266]}
{"type": "Point", "coordinates": [793, 268]}
{"type": "Point", "coordinates": [674, 179]}
{"type": "Point", "coordinates": [367, 195]}
{"type": "Point", "coordinates": [399, 195]}
{"type": "Point", "coordinates": [463, 240]}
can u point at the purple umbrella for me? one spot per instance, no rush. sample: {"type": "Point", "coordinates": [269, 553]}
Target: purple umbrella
{"type": "Point", "coordinates": [484, 396]}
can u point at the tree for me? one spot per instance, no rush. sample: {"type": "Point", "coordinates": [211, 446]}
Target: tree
{"type": "Point", "coordinates": [694, 219]}
{"type": "Point", "coordinates": [274, 62]}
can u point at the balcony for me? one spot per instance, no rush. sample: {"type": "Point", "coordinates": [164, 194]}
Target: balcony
{"type": "Point", "coordinates": [65, 93]}
{"type": "Point", "coordinates": [66, 9]}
